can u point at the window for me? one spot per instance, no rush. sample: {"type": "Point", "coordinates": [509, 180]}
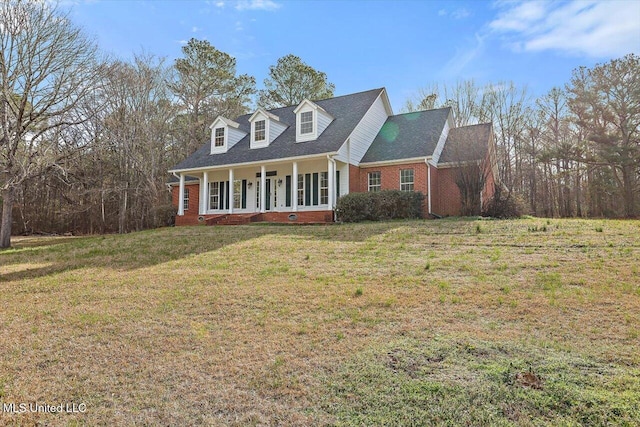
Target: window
{"type": "Point", "coordinates": [406, 179]}
{"type": "Point", "coordinates": [306, 122]}
{"type": "Point", "coordinates": [324, 188]}
{"type": "Point", "coordinates": [374, 181]}
{"type": "Point", "coordinates": [185, 199]}
{"type": "Point", "coordinates": [259, 128]}
{"type": "Point", "coordinates": [300, 190]}
{"type": "Point", "coordinates": [214, 195]}
{"type": "Point", "coordinates": [219, 137]}
{"type": "Point", "coordinates": [237, 194]}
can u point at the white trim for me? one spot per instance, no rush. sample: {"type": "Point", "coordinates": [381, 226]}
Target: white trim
{"type": "Point", "coordinates": [318, 156]}
{"type": "Point", "coordinates": [226, 122]}
{"type": "Point", "coordinates": [265, 113]}
{"type": "Point", "coordinates": [446, 165]}
{"type": "Point", "coordinates": [394, 162]}
{"type": "Point", "coordinates": [230, 191]}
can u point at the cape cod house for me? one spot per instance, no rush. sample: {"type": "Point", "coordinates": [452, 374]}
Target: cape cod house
{"type": "Point", "coordinates": [291, 164]}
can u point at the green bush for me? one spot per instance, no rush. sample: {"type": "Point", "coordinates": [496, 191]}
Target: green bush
{"type": "Point", "coordinates": [379, 206]}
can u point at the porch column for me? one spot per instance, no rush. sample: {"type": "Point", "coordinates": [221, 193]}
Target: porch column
{"type": "Point", "coordinates": [181, 196]}
{"type": "Point", "coordinates": [263, 188]}
{"type": "Point", "coordinates": [331, 183]}
{"type": "Point", "coordinates": [294, 188]}
{"type": "Point", "coordinates": [230, 191]}
{"type": "Point", "coordinates": [203, 193]}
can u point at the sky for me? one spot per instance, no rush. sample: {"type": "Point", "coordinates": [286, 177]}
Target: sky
{"type": "Point", "coordinates": [404, 46]}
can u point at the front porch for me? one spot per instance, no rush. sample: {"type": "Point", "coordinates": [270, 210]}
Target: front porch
{"type": "Point", "coordinates": [294, 192]}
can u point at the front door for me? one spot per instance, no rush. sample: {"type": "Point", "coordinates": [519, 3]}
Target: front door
{"type": "Point", "coordinates": [272, 193]}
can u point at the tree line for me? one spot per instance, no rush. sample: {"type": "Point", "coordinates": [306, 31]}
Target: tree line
{"type": "Point", "coordinates": [86, 140]}
{"type": "Point", "coordinates": [573, 152]}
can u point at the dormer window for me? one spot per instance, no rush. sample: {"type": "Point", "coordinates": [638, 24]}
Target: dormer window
{"type": "Point", "coordinates": [265, 127]}
{"type": "Point", "coordinates": [259, 129]}
{"type": "Point", "coordinates": [225, 134]}
{"type": "Point", "coordinates": [311, 121]}
{"type": "Point", "coordinates": [219, 137]}
{"type": "Point", "coordinates": [306, 122]}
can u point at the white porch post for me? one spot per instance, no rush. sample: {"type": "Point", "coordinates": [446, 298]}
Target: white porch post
{"type": "Point", "coordinates": [263, 188]}
{"type": "Point", "coordinates": [181, 196]}
{"type": "Point", "coordinates": [203, 193]}
{"type": "Point", "coordinates": [294, 188]}
{"type": "Point", "coordinates": [230, 191]}
{"type": "Point", "coordinates": [331, 183]}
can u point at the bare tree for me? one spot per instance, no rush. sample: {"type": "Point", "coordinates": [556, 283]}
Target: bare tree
{"type": "Point", "coordinates": [47, 67]}
{"type": "Point", "coordinates": [606, 102]}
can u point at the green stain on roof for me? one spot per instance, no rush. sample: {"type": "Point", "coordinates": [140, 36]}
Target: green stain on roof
{"type": "Point", "coordinates": [389, 131]}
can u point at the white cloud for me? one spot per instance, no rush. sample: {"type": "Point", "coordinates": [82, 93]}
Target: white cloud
{"type": "Point", "coordinates": [257, 5]}
{"type": "Point", "coordinates": [195, 29]}
{"type": "Point", "coordinates": [219, 4]}
{"type": "Point", "coordinates": [239, 26]}
{"type": "Point", "coordinates": [594, 28]}
{"type": "Point", "coordinates": [459, 13]}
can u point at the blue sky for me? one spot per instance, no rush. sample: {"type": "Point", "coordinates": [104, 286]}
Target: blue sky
{"type": "Point", "coordinates": [402, 45]}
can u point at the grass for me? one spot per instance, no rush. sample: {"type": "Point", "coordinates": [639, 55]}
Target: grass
{"type": "Point", "coordinates": [399, 323]}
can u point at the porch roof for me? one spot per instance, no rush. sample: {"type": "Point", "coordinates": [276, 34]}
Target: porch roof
{"type": "Point", "coordinates": [348, 111]}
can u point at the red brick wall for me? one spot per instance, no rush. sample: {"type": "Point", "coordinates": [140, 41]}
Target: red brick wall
{"type": "Point", "coordinates": [447, 193]}
{"type": "Point", "coordinates": [190, 216]}
{"type": "Point", "coordinates": [390, 177]}
{"type": "Point", "coordinates": [354, 179]}
{"type": "Point", "coordinates": [303, 217]}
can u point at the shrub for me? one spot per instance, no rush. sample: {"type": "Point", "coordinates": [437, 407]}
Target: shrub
{"type": "Point", "coordinates": [503, 205]}
{"type": "Point", "coordinates": [379, 206]}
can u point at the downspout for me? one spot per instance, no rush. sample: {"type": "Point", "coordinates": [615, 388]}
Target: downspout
{"type": "Point", "coordinates": [426, 161]}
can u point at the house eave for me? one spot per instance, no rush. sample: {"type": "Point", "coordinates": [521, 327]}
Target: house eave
{"type": "Point", "coordinates": [395, 162]}
{"type": "Point", "coordinates": [256, 163]}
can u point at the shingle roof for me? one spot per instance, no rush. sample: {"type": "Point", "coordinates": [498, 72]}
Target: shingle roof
{"type": "Point", "coordinates": [407, 136]}
{"type": "Point", "coordinates": [348, 110]}
{"type": "Point", "coordinates": [466, 143]}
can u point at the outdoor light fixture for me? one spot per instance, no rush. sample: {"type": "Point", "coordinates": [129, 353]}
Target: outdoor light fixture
{"type": "Point", "coordinates": [249, 184]}
{"type": "Point", "coordinates": [279, 182]}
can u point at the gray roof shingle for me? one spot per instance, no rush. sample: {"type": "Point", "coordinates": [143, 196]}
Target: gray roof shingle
{"type": "Point", "coordinates": [407, 136]}
{"type": "Point", "coordinates": [348, 110]}
{"type": "Point", "coordinates": [466, 143]}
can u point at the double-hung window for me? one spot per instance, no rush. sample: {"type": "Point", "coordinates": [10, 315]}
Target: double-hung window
{"type": "Point", "coordinates": [185, 199]}
{"type": "Point", "coordinates": [374, 181]}
{"type": "Point", "coordinates": [406, 179]}
{"type": "Point", "coordinates": [306, 122]}
{"type": "Point", "coordinates": [259, 129]}
{"type": "Point", "coordinates": [214, 195]}
{"type": "Point", "coordinates": [324, 188]}
{"type": "Point", "coordinates": [219, 137]}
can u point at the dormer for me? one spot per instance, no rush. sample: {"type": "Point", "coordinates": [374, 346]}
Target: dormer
{"type": "Point", "coordinates": [265, 127]}
{"type": "Point", "coordinates": [311, 121]}
{"type": "Point", "coordinates": [225, 134]}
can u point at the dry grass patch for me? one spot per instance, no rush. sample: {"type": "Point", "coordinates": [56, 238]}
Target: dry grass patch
{"type": "Point", "coordinates": [299, 325]}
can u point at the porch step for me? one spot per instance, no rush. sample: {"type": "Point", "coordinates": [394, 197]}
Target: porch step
{"type": "Point", "coordinates": [234, 219]}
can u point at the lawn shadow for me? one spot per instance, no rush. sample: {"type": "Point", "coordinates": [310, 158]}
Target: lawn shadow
{"type": "Point", "coordinates": [152, 247]}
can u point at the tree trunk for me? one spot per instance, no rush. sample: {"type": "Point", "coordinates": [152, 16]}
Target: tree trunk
{"type": "Point", "coordinates": [5, 225]}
